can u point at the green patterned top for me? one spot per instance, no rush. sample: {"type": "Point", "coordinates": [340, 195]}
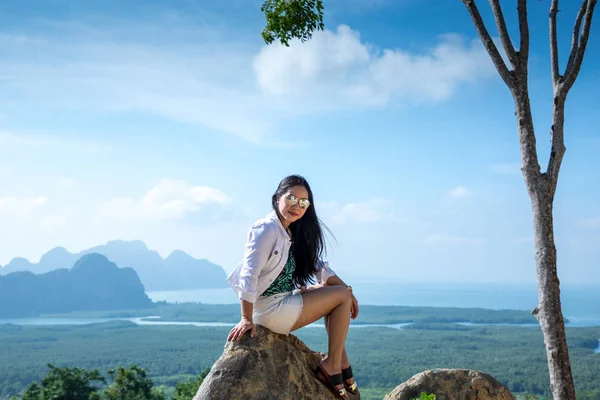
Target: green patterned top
{"type": "Point", "coordinates": [283, 283]}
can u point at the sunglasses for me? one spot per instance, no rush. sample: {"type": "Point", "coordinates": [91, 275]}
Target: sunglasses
{"type": "Point", "coordinates": [292, 200]}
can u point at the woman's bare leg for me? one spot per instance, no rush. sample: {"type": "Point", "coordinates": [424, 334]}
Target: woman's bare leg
{"type": "Point", "coordinates": [334, 302]}
{"type": "Point", "coordinates": [345, 360]}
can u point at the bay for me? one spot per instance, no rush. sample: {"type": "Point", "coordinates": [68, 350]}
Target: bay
{"type": "Point", "coordinates": [581, 303]}
{"type": "Point", "coordinates": [50, 321]}
{"type": "Point", "coordinates": [46, 321]}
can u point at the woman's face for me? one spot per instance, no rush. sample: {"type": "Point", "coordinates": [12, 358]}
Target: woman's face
{"type": "Point", "coordinates": [293, 204]}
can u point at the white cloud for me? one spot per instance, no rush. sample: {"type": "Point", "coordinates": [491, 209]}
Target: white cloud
{"type": "Point", "coordinates": [460, 192]}
{"type": "Point", "coordinates": [21, 205]}
{"type": "Point", "coordinates": [506, 168]}
{"type": "Point", "coordinates": [454, 240]}
{"type": "Point", "coordinates": [525, 239]}
{"type": "Point", "coordinates": [55, 142]}
{"type": "Point", "coordinates": [169, 199]}
{"type": "Point", "coordinates": [66, 182]}
{"type": "Point", "coordinates": [203, 84]}
{"type": "Point", "coordinates": [227, 86]}
{"type": "Point", "coordinates": [593, 222]}
{"type": "Point", "coordinates": [366, 212]}
{"type": "Point", "coordinates": [362, 5]}
{"type": "Point", "coordinates": [171, 215]}
{"type": "Point", "coordinates": [338, 66]}
{"type": "Point", "coordinates": [13, 139]}
{"type": "Point", "coordinates": [35, 215]}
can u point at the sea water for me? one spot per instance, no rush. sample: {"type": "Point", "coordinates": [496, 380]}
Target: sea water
{"type": "Point", "coordinates": [580, 303]}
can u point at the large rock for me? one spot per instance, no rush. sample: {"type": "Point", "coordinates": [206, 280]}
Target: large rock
{"type": "Point", "coordinates": [452, 384]}
{"type": "Point", "coordinates": [268, 366]}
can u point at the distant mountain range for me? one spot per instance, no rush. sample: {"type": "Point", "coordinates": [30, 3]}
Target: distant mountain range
{"type": "Point", "coordinates": [93, 283]}
{"type": "Point", "coordinates": [179, 271]}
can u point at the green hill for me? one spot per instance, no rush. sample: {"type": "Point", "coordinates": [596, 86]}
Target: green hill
{"type": "Point", "coordinates": [93, 283]}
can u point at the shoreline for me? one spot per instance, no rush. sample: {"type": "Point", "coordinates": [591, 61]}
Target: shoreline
{"type": "Point", "coordinates": [156, 320]}
{"type": "Point", "coordinates": [370, 315]}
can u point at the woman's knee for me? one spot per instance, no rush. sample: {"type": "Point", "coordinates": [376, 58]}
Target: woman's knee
{"type": "Point", "coordinates": [344, 295]}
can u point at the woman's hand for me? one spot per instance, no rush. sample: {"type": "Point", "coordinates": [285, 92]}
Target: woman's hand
{"type": "Point", "coordinates": [354, 309]}
{"type": "Point", "coordinates": [335, 280]}
{"type": "Point", "coordinates": [240, 329]}
{"type": "Point", "coordinates": [312, 287]}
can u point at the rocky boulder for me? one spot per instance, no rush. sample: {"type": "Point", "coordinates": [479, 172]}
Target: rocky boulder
{"type": "Point", "coordinates": [268, 366]}
{"type": "Point", "coordinates": [452, 384]}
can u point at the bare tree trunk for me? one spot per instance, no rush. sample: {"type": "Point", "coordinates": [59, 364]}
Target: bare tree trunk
{"type": "Point", "coordinates": [549, 311]}
{"type": "Point", "coordinates": [541, 186]}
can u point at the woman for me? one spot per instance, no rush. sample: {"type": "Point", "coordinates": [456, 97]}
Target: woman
{"type": "Point", "coordinates": [282, 254]}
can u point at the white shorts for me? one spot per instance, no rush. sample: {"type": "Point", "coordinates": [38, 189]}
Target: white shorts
{"type": "Point", "coordinates": [278, 313]}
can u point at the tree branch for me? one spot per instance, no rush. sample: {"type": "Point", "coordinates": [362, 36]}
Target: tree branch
{"type": "Point", "coordinates": [524, 35]}
{"type": "Point", "coordinates": [558, 149]}
{"type": "Point", "coordinates": [503, 31]}
{"type": "Point", "coordinates": [554, 43]}
{"type": "Point", "coordinates": [576, 31]}
{"type": "Point", "coordinates": [488, 43]}
{"type": "Point", "coordinates": [562, 87]}
{"type": "Point", "coordinates": [571, 74]}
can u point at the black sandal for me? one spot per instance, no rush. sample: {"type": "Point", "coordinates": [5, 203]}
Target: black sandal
{"type": "Point", "coordinates": [331, 381]}
{"type": "Point", "coordinates": [346, 375]}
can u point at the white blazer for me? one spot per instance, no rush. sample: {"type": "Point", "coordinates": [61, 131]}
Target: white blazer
{"type": "Point", "coordinates": [265, 255]}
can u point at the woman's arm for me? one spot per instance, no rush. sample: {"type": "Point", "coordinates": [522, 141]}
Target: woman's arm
{"type": "Point", "coordinates": [245, 324]}
{"type": "Point", "coordinates": [335, 280]}
{"type": "Point", "coordinates": [260, 243]}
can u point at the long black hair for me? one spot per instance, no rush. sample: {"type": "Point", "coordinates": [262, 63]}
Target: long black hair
{"type": "Point", "coordinates": [308, 241]}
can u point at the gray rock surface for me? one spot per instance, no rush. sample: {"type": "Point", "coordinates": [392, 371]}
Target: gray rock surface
{"type": "Point", "coordinates": [452, 384]}
{"type": "Point", "coordinates": [268, 366]}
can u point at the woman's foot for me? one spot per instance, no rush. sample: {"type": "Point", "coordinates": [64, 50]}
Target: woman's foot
{"type": "Point", "coordinates": [349, 381]}
{"type": "Point", "coordinates": [332, 377]}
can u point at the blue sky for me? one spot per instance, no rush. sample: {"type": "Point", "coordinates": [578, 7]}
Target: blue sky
{"type": "Point", "coordinates": [172, 122]}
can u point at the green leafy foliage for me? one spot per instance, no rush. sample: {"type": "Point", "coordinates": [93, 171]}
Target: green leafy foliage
{"type": "Point", "coordinates": [187, 390]}
{"type": "Point", "coordinates": [179, 354]}
{"type": "Point", "coordinates": [132, 384]}
{"type": "Point", "coordinates": [424, 396]}
{"type": "Point", "coordinates": [291, 19]}
{"type": "Point", "coordinates": [66, 384]}
{"type": "Point", "coordinates": [589, 395]}
{"type": "Point", "coordinates": [93, 283]}
{"type": "Point", "coordinates": [369, 314]}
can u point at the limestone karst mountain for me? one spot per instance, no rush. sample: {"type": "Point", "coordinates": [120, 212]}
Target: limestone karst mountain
{"type": "Point", "coordinates": [93, 283]}
{"type": "Point", "coordinates": [178, 271]}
